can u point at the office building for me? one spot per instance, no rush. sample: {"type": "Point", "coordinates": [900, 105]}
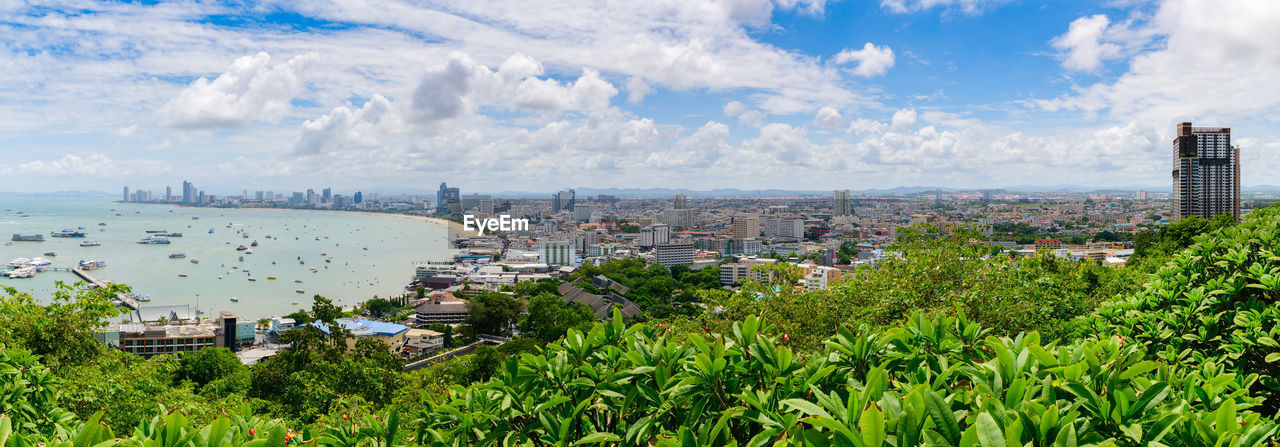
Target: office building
{"type": "Point", "coordinates": [679, 217]}
{"type": "Point", "coordinates": [986, 195]}
{"type": "Point", "coordinates": [168, 193]}
{"type": "Point", "coordinates": [746, 226]}
{"type": "Point", "coordinates": [326, 195]}
{"type": "Point", "coordinates": [656, 234]}
{"type": "Point", "coordinates": [748, 246]}
{"type": "Point", "coordinates": [558, 253]}
{"type": "Point", "coordinates": [675, 253]}
{"type": "Point", "coordinates": [841, 206]}
{"type": "Point", "coordinates": [1206, 173]}
{"type": "Point", "coordinates": [445, 196]}
{"type": "Point", "coordinates": [126, 193]}
{"type": "Point", "coordinates": [582, 212]}
{"type": "Point", "coordinates": [188, 192]}
{"type": "Point", "coordinates": [681, 202]}
{"type": "Point", "coordinates": [783, 227]}
{"type": "Point", "coordinates": [562, 201]}
{"type": "Point", "coordinates": [359, 197]}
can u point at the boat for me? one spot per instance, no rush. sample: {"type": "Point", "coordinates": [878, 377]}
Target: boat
{"type": "Point", "coordinates": [235, 300]}
{"type": "Point", "coordinates": [8, 243]}
{"type": "Point", "coordinates": [195, 261]}
{"type": "Point", "coordinates": [328, 259]}
{"type": "Point", "coordinates": [156, 231]}
{"type": "Point", "coordinates": [300, 291]}
{"type": "Point", "coordinates": [154, 240]}
{"type": "Point", "coordinates": [169, 234]}
{"type": "Point", "coordinates": [177, 255]}
{"type": "Point", "coordinates": [299, 281]}
{"type": "Point", "coordinates": [252, 279]}
{"type": "Point", "coordinates": [302, 262]}
{"type": "Point", "coordinates": [182, 275]}
{"type": "Point", "coordinates": [90, 244]}
{"type": "Point", "coordinates": [210, 231]}
{"type": "Point", "coordinates": [254, 244]}
{"type": "Point", "coordinates": [295, 303]}
{"type": "Point", "coordinates": [317, 238]}
{"type": "Point", "coordinates": [28, 237]}
{"type": "Point", "coordinates": [79, 228]}
{"type": "Point", "coordinates": [242, 258]}
{"type": "Point", "coordinates": [69, 233]}
{"type": "Point", "coordinates": [91, 265]}
{"type": "Point", "coordinates": [271, 277]}
{"type": "Point", "coordinates": [241, 248]}
{"type": "Point", "coordinates": [248, 252]}
{"type": "Point", "coordinates": [19, 262]}
{"type": "Point", "coordinates": [195, 217]}
{"type": "Point", "coordinates": [40, 262]}
{"type": "Point", "coordinates": [50, 253]}
{"type": "Point", "coordinates": [102, 224]}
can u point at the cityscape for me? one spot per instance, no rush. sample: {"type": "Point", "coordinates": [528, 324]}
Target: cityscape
{"type": "Point", "coordinates": [699, 223]}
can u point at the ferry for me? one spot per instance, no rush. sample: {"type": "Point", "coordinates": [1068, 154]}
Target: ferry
{"type": "Point", "coordinates": [177, 255]}
{"type": "Point", "coordinates": [19, 262]}
{"type": "Point", "coordinates": [90, 244]}
{"type": "Point", "coordinates": [28, 237]}
{"type": "Point", "coordinates": [154, 240]}
{"type": "Point", "coordinates": [68, 233]}
{"type": "Point", "coordinates": [40, 262]}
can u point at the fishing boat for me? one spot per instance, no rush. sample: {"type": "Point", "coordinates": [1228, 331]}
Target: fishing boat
{"type": "Point", "coordinates": [253, 279]}
{"type": "Point", "coordinates": [241, 248]}
{"type": "Point", "coordinates": [300, 291]}
{"type": "Point", "coordinates": [182, 275]}
{"type": "Point", "coordinates": [248, 252]}
{"type": "Point", "coordinates": [254, 244]}
{"type": "Point", "coordinates": [299, 281]}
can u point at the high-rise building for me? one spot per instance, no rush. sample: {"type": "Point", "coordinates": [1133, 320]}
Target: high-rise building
{"type": "Point", "coordinates": [326, 195]}
{"type": "Point", "coordinates": [582, 212]}
{"type": "Point", "coordinates": [562, 201]}
{"type": "Point", "coordinates": [1141, 195]}
{"type": "Point", "coordinates": [682, 202]}
{"type": "Point", "coordinates": [783, 226]}
{"type": "Point", "coordinates": [682, 217]}
{"type": "Point", "coordinates": [357, 198]}
{"type": "Point", "coordinates": [126, 193]}
{"type": "Point", "coordinates": [188, 192]}
{"type": "Point", "coordinates": [986, 195]}
{"type": "Point", "coordinates": [841, 207]}
{"type": "Point", "coordinates": [446, 195]}
{"type": "Point", "coordinates": [746, 226]}
{"type": "Point", "coordinates": [312, 198]}
{"type": "Point", "coordinates": [1206, 173]}
{"type": "Point", "coordinates": [558, 252]}
{"type": "Point", "coordinates": [675, 253]}
{"type": "Point", "coordinates": [168, 193]}
{"type": "Point", "coordinates": [652, 235]}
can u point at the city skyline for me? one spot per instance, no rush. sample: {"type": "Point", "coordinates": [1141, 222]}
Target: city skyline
{"type": "Point", "coordinates": [793, 95]}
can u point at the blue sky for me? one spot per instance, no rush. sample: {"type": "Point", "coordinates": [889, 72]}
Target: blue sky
{"type": "Point", "coordinates": [535, 96]}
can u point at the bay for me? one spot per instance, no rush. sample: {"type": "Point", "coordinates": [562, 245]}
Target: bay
{"type": "Point", "coordinates": [369, 254]}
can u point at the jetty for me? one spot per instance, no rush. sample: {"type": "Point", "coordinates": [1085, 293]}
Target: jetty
{"type": "Point", "coordinates": [121, 298]}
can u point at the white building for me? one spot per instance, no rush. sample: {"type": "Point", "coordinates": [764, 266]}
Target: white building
{"type": "Point", "coordinates": [678, 217]}
{"type": "Point", "coordinates": [655, 234]}
{"type": "Point", "coordinates": [675, 253]}
{"type": "Point", "coordinates": [735, 273]}
{"type": "Point", "coordinates": [788, 227]}
{"type": "Point", "coordinates": [582, 212]}
{"type": "Point", "coordinates": [558, 253]}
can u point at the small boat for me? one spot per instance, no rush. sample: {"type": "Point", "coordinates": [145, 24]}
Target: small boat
{"type": "Point", "coordinates": [253, 279]}
{"type": "Point", "coordinates": [299, 281]}
{"type": "Point", "coordinates": [177, 255]}
{"type": "Point", "coordinates": [90, 244]}
{"type": "Point", "coordinates": [242, 258]}
{"type": "Point", "coordinates": [241, 248]}
{"type": "Point", "coordinates": [195, 217]}
{"type": "Point", "coordinates": [254, 244]}
{"type": "Point", "coordinates": [235, 267]}
{"type": "Point", "coordinates": [195, 261]}
{"type": "Point", "coordinates": [49, 253]}
{"type": "Point", "coordinates": [235, 300]}
{"type": "Point", "coordinates": [210, 231]}
{"type": "Point", "coordinates": [302, 262]}
{"type": "Point", "coordinates": [271, 277]}
{"type": "Point", "coordinates": [156, 231]}
{"type": "Point", "coordinates": [248, 252]}
{"type": "Point", "coordinates": [295, 303]}
{"type": "Point", "coordinates": [300, 291]}
{"type": "Point", "coordinates": [182, 275]}
{"type": "Point", "coordinates": [102, 224]}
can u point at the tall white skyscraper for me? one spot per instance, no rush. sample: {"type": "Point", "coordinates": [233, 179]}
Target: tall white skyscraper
{"type": "Point", "coordinates": [1206, 173]}
{"type": "Point", "coordinates": [841, 207]}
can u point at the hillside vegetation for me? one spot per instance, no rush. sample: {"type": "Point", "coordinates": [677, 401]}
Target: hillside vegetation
{"type": "Point", "coordinates": [1185, 359]}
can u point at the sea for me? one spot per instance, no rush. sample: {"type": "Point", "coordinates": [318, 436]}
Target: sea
{"type": "Point", "coordinates": [347, 257]}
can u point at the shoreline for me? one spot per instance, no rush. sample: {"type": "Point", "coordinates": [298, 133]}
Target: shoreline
{"type": "Point", "coordinates": [449, 224]}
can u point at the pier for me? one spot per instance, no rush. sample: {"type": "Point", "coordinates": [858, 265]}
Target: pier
{"type": "Point", "coordinates": [121, 298]}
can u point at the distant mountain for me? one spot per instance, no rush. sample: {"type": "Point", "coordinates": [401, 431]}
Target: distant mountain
{"type": "Point", "coordinates": [89, 193]}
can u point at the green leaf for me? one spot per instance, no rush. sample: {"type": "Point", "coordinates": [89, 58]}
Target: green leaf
{"type": "Point", "coordinates": [598, 437]}
{"type": "Point", "coordinates": [989, 433]}
{"type": "Point", "coordinates": [872, 426]}
{"type": "Point", "coordinates": [942, 417]}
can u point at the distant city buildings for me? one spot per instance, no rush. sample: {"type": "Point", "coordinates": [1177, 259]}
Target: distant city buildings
{"type": "Point", "coordinates": [562, 201]}
{"type": "Point", "coordinates": [681, 202]}
{"type": "Point", "coordinates": [746, 226]}
{"type": "Point", "coordinates": [675, 253]}
{"type": "Point", "coordinates": [1206, 173]}
{"type": "Point", "coordinates": [447, 196]}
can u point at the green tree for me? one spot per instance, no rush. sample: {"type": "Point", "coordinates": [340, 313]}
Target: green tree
{"type": "Point", "coordinates": [550, 317]}
{"type": "Point", "coordinates": [493, 313]}
{"type": "Point", "coordinates": [208, 364]}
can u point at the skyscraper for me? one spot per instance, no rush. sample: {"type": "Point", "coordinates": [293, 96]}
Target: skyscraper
{"type": "Point", "coordinates": [682, 202]}
{"type": "Point", "coordinates": [746, 226]}
{"type": "Point", "coordinates": [562, 201]}
{"type": "Point", "coordinates": [1206, 173]}
{"type": "Point", "coordinates": [841, 207]}
{"type": "Point", "coordinates": [168, 193]}
{"type": "Point", "coordinates": [188, 192]}
{"type": "Point", "coordinates": [444, 196]}
{"type": "Point", "coordinates": [326, 195]}
{"type": "Point", "coordinates": [358, 198]}
{"type": "Point", "coordinates": [126, 193]}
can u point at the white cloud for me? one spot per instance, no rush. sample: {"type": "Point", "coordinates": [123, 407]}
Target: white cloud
{"type": "Point", "coordinates": [871, 60]}
{"type": "Point", "coordinates": [548, 96]}
{"type": "Point", "coordinates": [252, 89]}
{"type": "Point", "coordinates": [127, 131]}
{"type": "Point", "coordinates": [904, 119]}
{"type": "Point", "coordinates": [966, 6]}
{"type": "Point", "coordinates": [1083, 44]}
{"type": "Point", "coordinates": [829, 118]}
{"type": "Point", "coordinates": [745, 114]}
{"type": "Point", "coordinates": [637, 89]}
{"type": "Point", "coordinates": [345, 129]}
{"type": "Point", "coordinates": [92, 165]}
{"type": "Point", "coordinates": [1212, 66]}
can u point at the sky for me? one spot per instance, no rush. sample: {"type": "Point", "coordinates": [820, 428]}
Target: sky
{"type": "Point", "coordinates": [513, 95]}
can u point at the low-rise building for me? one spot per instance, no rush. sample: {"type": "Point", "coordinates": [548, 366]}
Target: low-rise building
{"type": "Point", "coordinates": [440, 308]}
{"type": "Point", "coordinates": [422, 341]}
{"type": "Point", "coordinates": [390, 334]}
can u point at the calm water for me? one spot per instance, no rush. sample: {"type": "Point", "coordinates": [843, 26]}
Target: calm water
{"type": "Point", "coordinates": [371, 254]}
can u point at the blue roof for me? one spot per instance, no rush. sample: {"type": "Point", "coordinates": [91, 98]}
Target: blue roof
{"type": "Point", "coordinates": [361, 328]}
